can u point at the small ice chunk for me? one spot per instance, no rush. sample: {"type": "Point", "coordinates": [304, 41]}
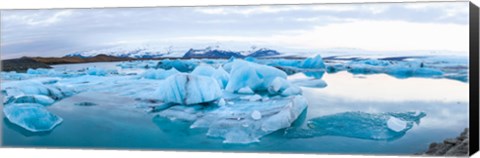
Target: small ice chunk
{"type": "Point", "coordinates": [221, 102]}
{"type": "Point", "coordinates": [255, 97]}
{"type": "Point", "coordinates": [256, 115]}
{"type": "Point", "coordinates": [245, 90]}
{"type": "Point", "coordinates": [396, 124]}
{"type": "Point", "coordinates": [292, 90]}
{"type": "Point", "coordinates": [278, 84]}
{"type": "Point", "coordinates": [32, 117]}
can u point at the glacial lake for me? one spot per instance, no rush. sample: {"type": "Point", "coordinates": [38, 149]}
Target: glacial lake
{"type": "Point", "coordinates": [114, 123]}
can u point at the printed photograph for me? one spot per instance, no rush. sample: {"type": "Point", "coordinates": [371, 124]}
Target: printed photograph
{"type": "Point", "coordinates": [359, 78]}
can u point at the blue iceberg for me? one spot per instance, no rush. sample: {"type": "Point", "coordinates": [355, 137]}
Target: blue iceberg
{"type": "Point", "coordinates": [96, 71]}
{"type": "Point", "coordinates": [313, 63]}
{"type": "Point", "coordinates": [219, 74]}
{"type": "Point", "coordinates": [189, 89]}
{"type": "Point", "coordinates": [35, 87]}
{"type": "Point", "coordinates": [32, 117]}
{"type": "Point", "coordinates": [180, 65]}
{"type": "Point", "coordinates": [254, 76]}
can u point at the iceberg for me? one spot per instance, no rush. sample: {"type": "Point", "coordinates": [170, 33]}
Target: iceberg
{"type": "Point", "coordinates": [313, 63]}
{"type": "Point", "coordinates": [96, 71]}
{"type": "Point", "coordinates": [372, 126]}
{"type": "Point", "coordinates": [159, 74]}
{"type": "Point", "coordinates": [219, 74]}
{"type": "Point", "coordinates": [32, 117]}
{"type": "Point", "coordinates": [284, 62]}
{"type": "Point", "coordinates": [35, 87]}
{"type": "Point", "coordinates": [189, 89]}
{"type": "Point", "coordinates": [41, 71]}
{"type": "Point", "coordinates": [398, 69]}
{"type": "Point", "coordinates": [254, 76]}
{"type": "Point", "coordinates": [246, 122]}
{"type": "Point", "coordinates": [180, 65]}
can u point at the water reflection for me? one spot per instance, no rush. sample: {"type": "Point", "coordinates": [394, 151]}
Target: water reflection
{"type": "Point", "coordinates": [176, 127]}
{"type": "Point", "coordinates": [314, 74]}
{"type": "Point", "coordinates": [381, 87]}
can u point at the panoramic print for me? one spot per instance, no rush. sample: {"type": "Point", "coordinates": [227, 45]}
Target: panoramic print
{"type": "Point", "coordinates": [370, 78]}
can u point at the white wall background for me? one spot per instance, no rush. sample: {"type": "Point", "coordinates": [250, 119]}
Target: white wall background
{"type": "Point", "coordinates": [51, 153]}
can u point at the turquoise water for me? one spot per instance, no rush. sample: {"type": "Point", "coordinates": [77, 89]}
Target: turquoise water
{"type": "Point", "coordinates": [115, 123]}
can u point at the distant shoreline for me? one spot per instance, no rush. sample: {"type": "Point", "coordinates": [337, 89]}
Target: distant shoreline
{"type": "Point", "coordinates": [24, 63]}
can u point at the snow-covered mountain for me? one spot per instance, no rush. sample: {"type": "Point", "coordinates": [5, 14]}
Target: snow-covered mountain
{"type": "Point", "coordinates": [210, 52]}
{"type": "Point", "coordinates": [122, 52]}
{"type": "Point", "coordinates": [148, 52]}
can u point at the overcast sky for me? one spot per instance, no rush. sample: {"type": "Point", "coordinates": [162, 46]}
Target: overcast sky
{"type": "Point", "coordinates": [376, 27]}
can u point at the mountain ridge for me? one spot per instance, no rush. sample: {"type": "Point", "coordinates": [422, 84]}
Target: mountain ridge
{"type": "Point", "coordinates": [149, 53]}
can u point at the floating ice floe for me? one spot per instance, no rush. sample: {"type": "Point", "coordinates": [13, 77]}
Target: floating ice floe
{"type": "Point", "coordinates": [380, 126]}
{"type": "Point", "coordinates": [189, 89]}
{"type": "Point", "coordinates": [312, 83]}
{"type": "Point", "coordinates": [32, 117]}
{"type": "Point", "coordinates": [35, 87]}
{"type": "Point", "coordinates": [246, 121]}
{"type": "Point", "coordinates": [397, 69]}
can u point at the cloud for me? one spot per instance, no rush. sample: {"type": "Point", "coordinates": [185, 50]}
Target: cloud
{"type": "Point", "coordinates": [378, 26]}
{"type": "Point", "coordinates": [247, 10]}
{"type": "Point", "coordinates": [383, 36]}
{"type": "Point", "coordinates": [368, 35]}
{"type": "Point", "coordinates": [39, 19]}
